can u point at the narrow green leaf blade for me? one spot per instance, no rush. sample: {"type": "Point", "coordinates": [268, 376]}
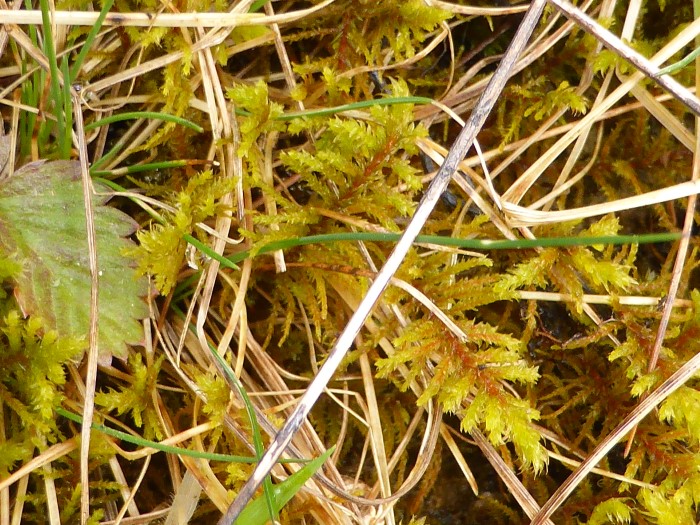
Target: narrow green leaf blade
{"type": "Point", "coordinates": [256, 513]}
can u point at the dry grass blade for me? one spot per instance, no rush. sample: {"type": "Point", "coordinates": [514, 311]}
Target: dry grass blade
{"type": "Point", "coordinates": [50, 454]}
{"type": "Point", "coordinates": [669, 386]}
{"type": "Point", "coordinates": [519, 216]}
{"type": "Point", "coordinates": [515, 486]}
{"type": "Point", "coordinates": [87, 18]}
{"type": "Point", "coordinates": [91, 378]}
{"type": "Point", "coordinates": [681, 258]}
{"type": "Point", "coordinates": [478, 11]}
{"type": "Point", "coordinates": [430, 198]}
{"type": "Point", "coordinates": [641, 62]}
{"type": "Point", "coordinates": [518, 189]}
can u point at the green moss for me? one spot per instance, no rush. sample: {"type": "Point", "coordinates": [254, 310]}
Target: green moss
{"type": "Point", "coordinates": [523, 371]}
{"type": "Point", "coordinates": [136, 397]}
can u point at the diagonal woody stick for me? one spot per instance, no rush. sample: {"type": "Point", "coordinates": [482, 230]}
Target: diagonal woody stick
{"type": "Point", "coordinates": [437, 186]}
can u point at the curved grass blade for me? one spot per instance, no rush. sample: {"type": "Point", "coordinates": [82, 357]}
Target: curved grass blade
{"type": "Point", "coordinates": [131, 115]}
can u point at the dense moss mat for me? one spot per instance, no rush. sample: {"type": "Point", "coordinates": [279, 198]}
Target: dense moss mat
{"type": "Point", "coordinates": [539, 379]}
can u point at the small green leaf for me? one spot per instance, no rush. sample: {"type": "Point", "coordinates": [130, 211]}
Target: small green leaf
{"type": "Point", "coordinates": [42, 220]}
{"type": "Point", "coordinates": [256, 513]}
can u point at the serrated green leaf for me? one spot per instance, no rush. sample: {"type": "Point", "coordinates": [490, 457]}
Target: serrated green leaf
{"type": "Point", "coordinates": [42, 220]}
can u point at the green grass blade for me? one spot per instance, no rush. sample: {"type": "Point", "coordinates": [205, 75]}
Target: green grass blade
{"type": "Point", "coordinates": [96, 165]}
{"type": "Point", "coordinates": [104, 159]}
{"type": "Point", "coordinates": [138, 168]}
{"type": "Point", "coordinates": [30, 97]}
{"type": "Point", "coordinates": [206, 250]}
{"type": "Point", "coordinates": [131, 115]}
{"type": "Point", "coordinates": [470, 244]}
{"type": "Point", "coordinates": [254, 513]}
{"type": "Point", "coordinates": [677, 66]}
{"type": "Point", "coordinates": [65, 141]}
{"type": "Point", "coordinates": [54, 86]}
{"type": "Point", "coordinates": [141, 442]}
{"type": "Point", "coordinates": [75, 69]}
{"type": "Point", "coordinates": [387, 101]}
{"type": "Point", "coordinates": [685, 61]}
{"type": "Point", "coordinates": [231, 379]}
{"type": "Point", "coordinates": [272, 511]}
{"type": "Point", "coordinates": [257, 6]}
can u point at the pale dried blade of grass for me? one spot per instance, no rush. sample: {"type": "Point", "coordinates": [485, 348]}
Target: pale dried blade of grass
{"type": "Point", "coordinates": [50, 454]}
{"type": "Point", "coordinates": [459, 458]}
{"type": "Point", "coordinates": [463, 101]}
{"type": "Point", "coordinates": [560, 186]}
{"type": "Point", "coordinates": [669, 121]}
{"type": "Point", "coordinates": [477, 11]}
{"type": "Point", "coordinates": [185, 501]}
{"type": "Point", "coordinates": [431, 433]}
{"type": "Point", "coordinates": [683, 244]}
{"type": "Point", "coordinates": [564, 178]}
{"type": "Point", "coordinates": [238, 318]}
{"type": "Point", "coordinates": [230, 19]}
{"type": "Point", "coordinates": [270, 203]}
{"type": "Point", "coordinates": [584, 85]}
{"type": "Point", "coordinates": [26, 43]}
{"type": "Point", "coordinates": [133, 491]}
{"type": "Point", "coordinates": [230, 166]}
{"type": "Point", "coordinates": [425, 51]}
{"type": "Point", "coordinates": [614, 43]}
{"type": "Point", "coordinates": [519, 216]}
{"type": "Point", "coordinates": [518, 189]}
{"type": "Point", "coordinates": [436, 153]}
{"type": "Point", "coordinates": [669, 386]}
{"type": "Point", "coordinates": [213, 38]}
{"type": "Point", "coordinates": [3, 29]}
{"type": "Point", "coordinates": [140, 138]}
{"type": "Point", "coordinates": [515, 486]}
{"type": "Point", "coordinates": [665, 117]}
{"type": "Point", "coordinates": [633, 10]}
{"type": "Point", "coordinates": [424, 456]}
{"type": "Point", "coordinates": [680, 260]}
{"type": "Point", "coordinates": [376, 435]}
{"type": "Point", "coordinates": [4, 492]}
{"type": "Point", "coordinates": [52, 506]}
{"type": "Point", "coordinates": [556, 131]}
{"type": "Point", "coordinates": [92, 353]}
{"type": "Point", "coordinates": [171, 441]}
{"type": "Point", "coordinates": [406, 439]}
{"type": "Point", "coordinates": [20, 498]}
{"type": "Point", "coordinates": [283, 56]}
{"type": "Point", "coordinates": [124, 490]}
{"type": "Point", "coordinates": [601, 472]}
{"type": "Point", "coordinates": [630, 300]}
{"type": "Point", "coordinates": [9, 169]}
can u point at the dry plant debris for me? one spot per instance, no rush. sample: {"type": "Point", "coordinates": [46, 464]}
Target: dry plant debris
{"type": "Point", "coordinates": [270, 152]}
